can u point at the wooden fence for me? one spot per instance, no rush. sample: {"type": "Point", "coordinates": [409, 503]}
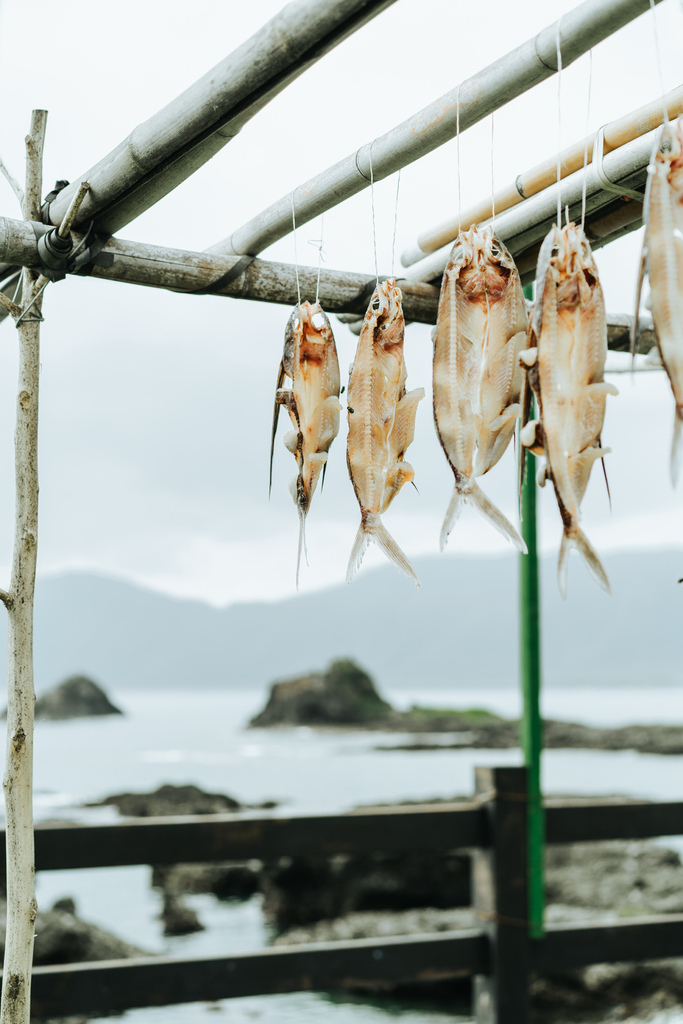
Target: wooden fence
{"type": "Point", "coordinates": [499, 955]}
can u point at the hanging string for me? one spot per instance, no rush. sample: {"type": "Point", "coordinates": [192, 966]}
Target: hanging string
{"type": "Point", "coordinates": [585, 151]}
{"type": "Point", "coordinates": [372, 202]}
{"type": "Point", "coordinates": [457, 145]}
{"type": "Point", "coordinates": [493, 191]}
{"type": "Point", "coordinates": [317, 243]}
{"type": "Point", "coordinates": [658, 55]}
{"type": "Point", "coordinates": [559, 125]}
{"type": "Point", "coordinates": [393, 239]}
{"type": "Point", "coordinates": [296, 258]}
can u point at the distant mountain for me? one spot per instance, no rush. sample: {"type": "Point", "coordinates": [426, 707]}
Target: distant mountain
{"type": "Point", "coordinates": [460, 628]}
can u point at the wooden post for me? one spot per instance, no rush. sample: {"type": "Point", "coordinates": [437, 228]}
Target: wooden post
{"type": "Point", "coordinates": [18, 780]}
{"type": "Point", "coordinates": [499, 877]}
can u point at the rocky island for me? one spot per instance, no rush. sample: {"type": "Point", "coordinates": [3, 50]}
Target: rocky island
{"type": "Point", "coordinates": [345, 697]}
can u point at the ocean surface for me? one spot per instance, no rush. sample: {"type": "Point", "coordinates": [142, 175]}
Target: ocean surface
{"type": "Point", "coordinates": [200, 737]}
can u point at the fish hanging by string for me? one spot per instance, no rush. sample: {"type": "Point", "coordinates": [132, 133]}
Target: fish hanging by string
{"type": "Point", "coordinates": [565, 361]}
{"type": "Point", "coordinates": [381, 424]}
{"type": "Point", "coordinates": [312, 401]}
{"type": "Point", "coordinates": [480, 330]}
{"type": "Point", "coordinates": [662, 261]}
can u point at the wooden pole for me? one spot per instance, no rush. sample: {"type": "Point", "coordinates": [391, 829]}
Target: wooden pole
{"type": "Point", "coordinates": [510, 76]}
{"type": "Point", "coordinates": [18, 780]}
{"type": "Point", "coordinates": [530, 221]}
{"type": "Point", "coordinates": [499, 896]}
{"type": "Point", "coordinates": [169, 147]}
{"type": "Point", "coordinates": [617, 133]}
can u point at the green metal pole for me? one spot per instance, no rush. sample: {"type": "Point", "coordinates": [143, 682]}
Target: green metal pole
{"type": "Point", "coordinates": [530, 671]}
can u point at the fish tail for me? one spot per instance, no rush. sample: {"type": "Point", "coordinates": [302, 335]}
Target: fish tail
{"type": "Point", "coordinates": [372, 528]}
{"type": "Point", "coordinates": [453, 511]}
{"type": "Point", "coordinates": [495, 517]}
{"type": "Point", "coordinates": [580, 541]}
{"type": "Point", "coordinates": [302, 545]}
{"type": "Point", "coordinates": [677, 446]}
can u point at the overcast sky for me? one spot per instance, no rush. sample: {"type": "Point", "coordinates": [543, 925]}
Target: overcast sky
{"type": "Point", "coordinates": [156, 407]}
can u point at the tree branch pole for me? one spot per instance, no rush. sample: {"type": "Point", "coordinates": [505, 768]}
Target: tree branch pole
{"type": "Point", "coordinates": [18, 780]}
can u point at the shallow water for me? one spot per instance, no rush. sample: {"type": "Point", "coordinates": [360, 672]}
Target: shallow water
{"type": "Point", "coordinates": [200, 738]}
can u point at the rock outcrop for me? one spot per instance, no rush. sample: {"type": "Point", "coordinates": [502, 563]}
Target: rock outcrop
{"type": "Point", "coordinates": [343, 695]}
{"type": "Point", "coordinates": [169, 800]}
{"type": "Point", "coordinates": [76, 697]}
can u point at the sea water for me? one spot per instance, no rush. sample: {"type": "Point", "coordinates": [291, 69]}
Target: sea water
{"type": "Point", "coordinates": [200, 737]}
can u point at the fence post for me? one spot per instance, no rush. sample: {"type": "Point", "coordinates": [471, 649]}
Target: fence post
{"type": "Point", "coordinates": [499, 881]}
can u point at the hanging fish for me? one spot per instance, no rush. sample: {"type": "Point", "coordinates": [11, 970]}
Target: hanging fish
{"type": "Point", "coordinates": [381, 424]}
{"type": "Point", "coordinates": [480, 330]}
{"type": "Point", "coordinates": [310, 360]}
{"type": "Point", "coordinates": [566, 362]}
{"type": "Point", "coordinates": [662, 261]}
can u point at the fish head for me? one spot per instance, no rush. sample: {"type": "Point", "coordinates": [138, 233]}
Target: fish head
{"type": "Point", "coordinates": [315, 325]}
{"type": "Point", "coordinates": [293, 335]}
{"type": "Point", "coordinates": [386, 310]}
{"type": "Point", "coordinates": [577, 272]}
{"type": "Point", "coordinates": [672, 144]}
{"type": "Point", "coordinates": [485, 265]}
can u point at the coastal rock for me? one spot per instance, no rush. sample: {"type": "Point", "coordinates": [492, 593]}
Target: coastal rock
{"type": "Point", "coordinates": [167, 801]}
{"type": "Point", "coordinates": [343, 695]}
{"type": "Point", "coordinates": [76, 697]}
{"type": "Point", "coordinates": [226, 880]}
{"type": "Point", "coordinates": [62, 937]}
{"type": "Point", "coordinates": [178, 918]}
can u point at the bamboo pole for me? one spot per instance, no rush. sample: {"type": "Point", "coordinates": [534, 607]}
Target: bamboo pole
{"type": "Point", "coordinates": [169, 147]}
{"type": "Point", "coordinates": [18, 780]}
{"type": "Point", "coordinates": [529, 221]}
{"type": "Point", "coordinates": [180, 270]}
{"type": "Point", "coordinates": [510, 76]}
{"type": "Point", "coordinates": [616, 134]}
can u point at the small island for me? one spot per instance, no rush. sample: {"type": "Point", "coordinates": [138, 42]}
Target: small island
{"type": "Point", "coordinates": [76, 697]}
{"type": "Point", "coordinates": [345, 697]}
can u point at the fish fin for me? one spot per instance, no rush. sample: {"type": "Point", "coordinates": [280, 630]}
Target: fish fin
{"type": "Point", "coordinates": [590, 556]}
{"type": "Point", "coordinates": [372, 528]}
{"type": "Point", "coordinates": [386, 542]}
{"type": "Point", "coordinates": [453, 511]}
{"type": "Point", "coordinates": [495, 516]}
{"type": "Point", "coordinates": [273, 432]}
{"type": "Point", "coordinates": [677, 446]}
{"type": "Point", "coordinates": [639, 290]}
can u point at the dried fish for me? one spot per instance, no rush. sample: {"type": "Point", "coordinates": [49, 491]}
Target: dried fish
{"type": "Point", "coordinates": [662, 260]}
{"type": "Point", "coordinates": [566, 362]}
{"type": "Point", "coordinates": [310, 360]}
{"type": "Point", "coordinates": [381, 424]}
{"type": "Point", "coordinates": [480, 330]}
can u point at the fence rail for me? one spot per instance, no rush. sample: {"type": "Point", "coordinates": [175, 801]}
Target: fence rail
{"type": "Point", "coordinates": [499, 955]}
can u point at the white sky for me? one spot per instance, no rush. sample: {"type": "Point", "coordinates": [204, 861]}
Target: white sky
{"type": "Point", "coordinates": [156, 407]}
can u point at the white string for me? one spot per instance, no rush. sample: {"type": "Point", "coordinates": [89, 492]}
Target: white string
{"type": "Point", "coordinates": [457, 144]}
{"type": "Point", "coordinates": [493, 192]}
{"type": "Point", "coordinates": [585, 151]}
{"type": "Point", "coordinates": [393, 240]}
{"type": "Point", "coordinates": [296, 258]}
{"type": "Point", "coordinates": [320, 254]}
{"type": "Point", "coordinates": [372, 202]}
{"type": "Point", "coordinates": [559, 125]}
{"type": "Point", "coordinates": [658, 54]}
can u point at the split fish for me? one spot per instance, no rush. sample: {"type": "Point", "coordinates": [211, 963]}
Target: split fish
{"type": "Point", "coordinates": [381, 424]}
{"type": "Point", "coordinates": [565, 361]}
{"type": "Point", "coordinates": [312, 401]}
{"type": "Point", "coordinates": [480, 330]}
{"type": "Point", "coordinates": [662, 261]}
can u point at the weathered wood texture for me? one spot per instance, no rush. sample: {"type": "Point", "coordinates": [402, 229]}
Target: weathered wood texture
{"type": "Point", "coordinates": [118, 985]}
{"type": "Point", "coordinates": [491, 88]}
{"type": "Point", "coordinates": [226, 837]}
{"type": "Point", "coordinates": [587, 821]}
{"type": "Point", "coordinates": [565, 947]}
{"type": "Point", "coordinates": [263, 281]}
{"type": "Point", "coordinates": [18, 779]}
{"type": "Point", "coordinates": [167, 148]}
{"type": "Point", "coordinates": [500, 897]}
